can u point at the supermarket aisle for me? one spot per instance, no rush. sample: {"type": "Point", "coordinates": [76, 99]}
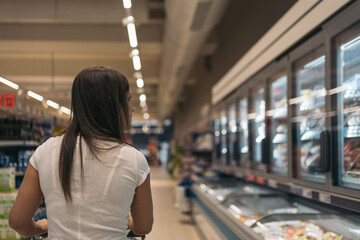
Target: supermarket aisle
{"type": "Point", "coordinates": [168, 222]}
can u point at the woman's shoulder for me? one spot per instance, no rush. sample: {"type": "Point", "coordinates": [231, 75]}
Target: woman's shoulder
{"type": "Point", "coordinates": [133, 150]}
{"type": "Point", "coordinates": [52, 142]}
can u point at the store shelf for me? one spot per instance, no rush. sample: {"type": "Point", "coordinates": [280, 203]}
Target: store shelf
{"type": "Point", "coordinates": [280, 138]}
{"type": "Point", "coordinates": [311, 135]}
{"type": "Point", "coordinates": [352, 132]}
{"type": "Point", "coordinates": [19, 143]}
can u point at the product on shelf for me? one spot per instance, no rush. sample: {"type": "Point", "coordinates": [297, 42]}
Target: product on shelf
{"type": "Point", "coordinates": [295, 230]}
{"type": "Point", "coordinates": [7, 179]}
{"type": "Point", "coordinates": [310, 156]}
{"type": "Point", "coordinates": [352, 157]}
{"type": "Point", "coordinates": [280, 155]}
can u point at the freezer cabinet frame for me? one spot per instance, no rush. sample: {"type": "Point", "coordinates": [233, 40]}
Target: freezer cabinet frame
{"type": "Point", "coordinates": [342, 24]}
{"type": "Point", "coordinates": [315, 43]}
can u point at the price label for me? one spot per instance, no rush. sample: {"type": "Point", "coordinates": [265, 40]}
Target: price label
{"type": "Point", "coordinates": [307, 193]}
{"type": "Point", "coordinates": [324, 198]}
{"type": "Point", "coordinates": [239, 175]}
{"type": "Point", "coordinates": [272, 183]}
{"type": "Point", "coordinates": [251, 178]}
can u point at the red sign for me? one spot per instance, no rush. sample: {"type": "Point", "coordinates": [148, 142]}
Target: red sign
{"type": "Point", "coordinates": [0, 101]}
{"type": "Point", "coordinates": [251, 178]}
{"type": "Point", "coordinates": [260, 180]}
{"type": "Point", "coordinates": [9, 100]}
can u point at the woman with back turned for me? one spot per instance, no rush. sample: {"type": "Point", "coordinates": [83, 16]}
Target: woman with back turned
{"type": "Point", "coordinates": [90, 178]}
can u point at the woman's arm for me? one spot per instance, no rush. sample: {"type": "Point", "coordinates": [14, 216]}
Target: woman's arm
{"type": "Point", "coordinates": [27, 201]}
{"type": "Point", "coordinates": [142, 209]}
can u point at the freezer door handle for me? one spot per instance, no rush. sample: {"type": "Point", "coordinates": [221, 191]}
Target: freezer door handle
{"type": "Point", "coordinates": [325, 151]}
{"type": "Point", "coordinates": [265, 154]}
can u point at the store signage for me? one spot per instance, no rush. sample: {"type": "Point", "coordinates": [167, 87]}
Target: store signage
{"type": "Point", "coordinates": [260, 180]}
{"type": "Point", "coordinates": [251, 178]}
{"type": "Point", "coordinates": [9, 100]}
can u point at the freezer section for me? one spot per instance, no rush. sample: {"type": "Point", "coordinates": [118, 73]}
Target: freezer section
{"type": "Point", "coordinates": [233, 139]}
{"type": "Point", "coordinates": [224, 147]}
{"type": "Point", "coordinates": [309, 116]}
{"type": "Point", "coordinates": [258, 127]}
{"type": "Point", "coordinates": [349, 104]}
{"type": "Point", "coordinates": [308, 226]}
{"type": "Point", "coordinates": [278, 125]}
{"type": "Point", "coordinates": [243, 133]}
{"type": "Point", "coordinates": [249, 209]}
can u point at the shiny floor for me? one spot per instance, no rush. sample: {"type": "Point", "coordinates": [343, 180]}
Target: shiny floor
{"type": "Point", "coordinates": [168, 222]}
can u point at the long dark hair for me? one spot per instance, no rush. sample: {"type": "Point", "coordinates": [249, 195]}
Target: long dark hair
{"type": "Point", "coordinates": [99, 105]}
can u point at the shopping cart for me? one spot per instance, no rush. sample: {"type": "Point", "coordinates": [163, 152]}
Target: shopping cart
{"type": "Point", "coordinates": [132, 236]}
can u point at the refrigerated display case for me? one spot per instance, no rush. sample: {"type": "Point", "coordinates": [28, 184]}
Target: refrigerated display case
{"type": "Point", "coordinates": [278, 114]}
{"type": "Point", "coordinates": [258, 127]}
{"type": "Point", "coordinates": [224, 141]}
{"type": "Point", "coordinates": [250, 208]}
{"type": "Point", "coordinates": [309, 116]}
{"type": "Point", "coordinates": [243, 133]}
{"type": "Point", "coordinates": [308, 226]}
{"type": "Point", "coordinates": [217, 136]}
{"type": "Point", "coordinates": [233, 138]}
{"type": "Point", "coordinates": [348, 99]}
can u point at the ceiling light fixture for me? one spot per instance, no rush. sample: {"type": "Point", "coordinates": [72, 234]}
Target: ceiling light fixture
{"type": "Point", "coordinates": [127, 4]}
{"type": "Point", "coordinates": [142, 98]}
{"type": "Point", "coordinates": [9, 83]}
{"type": "Point", "coordinates": [136, 62]}
{"type": "Point", "coordinates": [143, 104]}
{"type": "Point", "coordinates": [52, 104]}
{"type": "Point", "coordinates": [140, 83]}
{"type": "Point", "coordinates": [65, 110]}
{"type": "Point", "coordinates": [134, 52]}
{"type": "Point", "coordinates": [35, 96]}
{"type": "Point", "coordinates": [146, 116]}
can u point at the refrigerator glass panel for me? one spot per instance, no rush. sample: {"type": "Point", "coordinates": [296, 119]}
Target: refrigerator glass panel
{"type": "Point", "coordinates": [309, 116]}
{"type": "Point", "coordinates": [249, 209]}
{"type": "Point", "coordinates": [349, 112]}
{"type": "Point", "coordinates": [258, 128]}
{"type": "Point", "coordinates": [278, 126]}
{"type": "Point", "coordinates": [233, 153]}
{"type": "Point", "coordinates": [243, 133]}
{"type": "Point", "coordinates": [223, 127]}
{"type": "Point", "coordinates": [308, 226]}
{"type": "Point", "coordinates": [217, 140]}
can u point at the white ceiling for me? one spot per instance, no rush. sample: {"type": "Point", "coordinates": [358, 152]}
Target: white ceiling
{"type": "Point", "coordinates": [45, 43]}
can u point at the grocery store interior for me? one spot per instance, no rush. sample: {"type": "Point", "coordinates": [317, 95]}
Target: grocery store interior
{"type": "Point", "coordinates": [248, 112]}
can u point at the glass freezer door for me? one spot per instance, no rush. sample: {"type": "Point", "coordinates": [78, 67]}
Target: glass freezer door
{"type": "Point", "coordinates": [349, 118]}
{"type": "Point", "coordinates": [258, 127]}
{"type": "Point", "coordinates": [217, 141]}
{"type": "Point", "coordinates": [243, 133]}
{"type": "Point", "coordinates": [278, 125]}
{"type": "Point", "coordinates": [309, 119]}
{"type": "Point", "coordinates": [233, 153]}
{"type": "Point", "coordinates": [224, 148]}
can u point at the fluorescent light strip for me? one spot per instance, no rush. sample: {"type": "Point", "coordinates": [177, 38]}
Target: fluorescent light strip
{"type": "Point", "coordinates": [52, 104]}
{"type": "Point", "coordinates": [127, 4]}
{"type": "Point", "coordinates": [136, 62]}
{"type": "Point", "coordinates": [65, 110]}
{"type": "Point", "coordinates": [10, 84]}
{"type": "Point", "coordinates": [132, 35]}
{"type": "Point", "coordinates": [315, 62]}
{"type": "Point", "coordinates": [142, 98]}
{"type": "Point", "coordinates": [140, 83]}
{"type": "Point", "coordinates": [35, 96]}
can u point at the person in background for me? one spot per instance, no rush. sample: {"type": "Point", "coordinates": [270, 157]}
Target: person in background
{"type": "Point", "coordinates": [95, 185]}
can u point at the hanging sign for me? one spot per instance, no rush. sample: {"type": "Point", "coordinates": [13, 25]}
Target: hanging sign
{"type": "Point", "coordinates": [9, 100]}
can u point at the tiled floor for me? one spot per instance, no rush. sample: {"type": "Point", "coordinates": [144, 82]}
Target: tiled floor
{"type": "Point", "coordinates": [168, 222]}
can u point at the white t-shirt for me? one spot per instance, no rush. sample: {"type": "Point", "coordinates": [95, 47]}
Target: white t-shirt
{"type": "Point", "coordinates": [101, 202]}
